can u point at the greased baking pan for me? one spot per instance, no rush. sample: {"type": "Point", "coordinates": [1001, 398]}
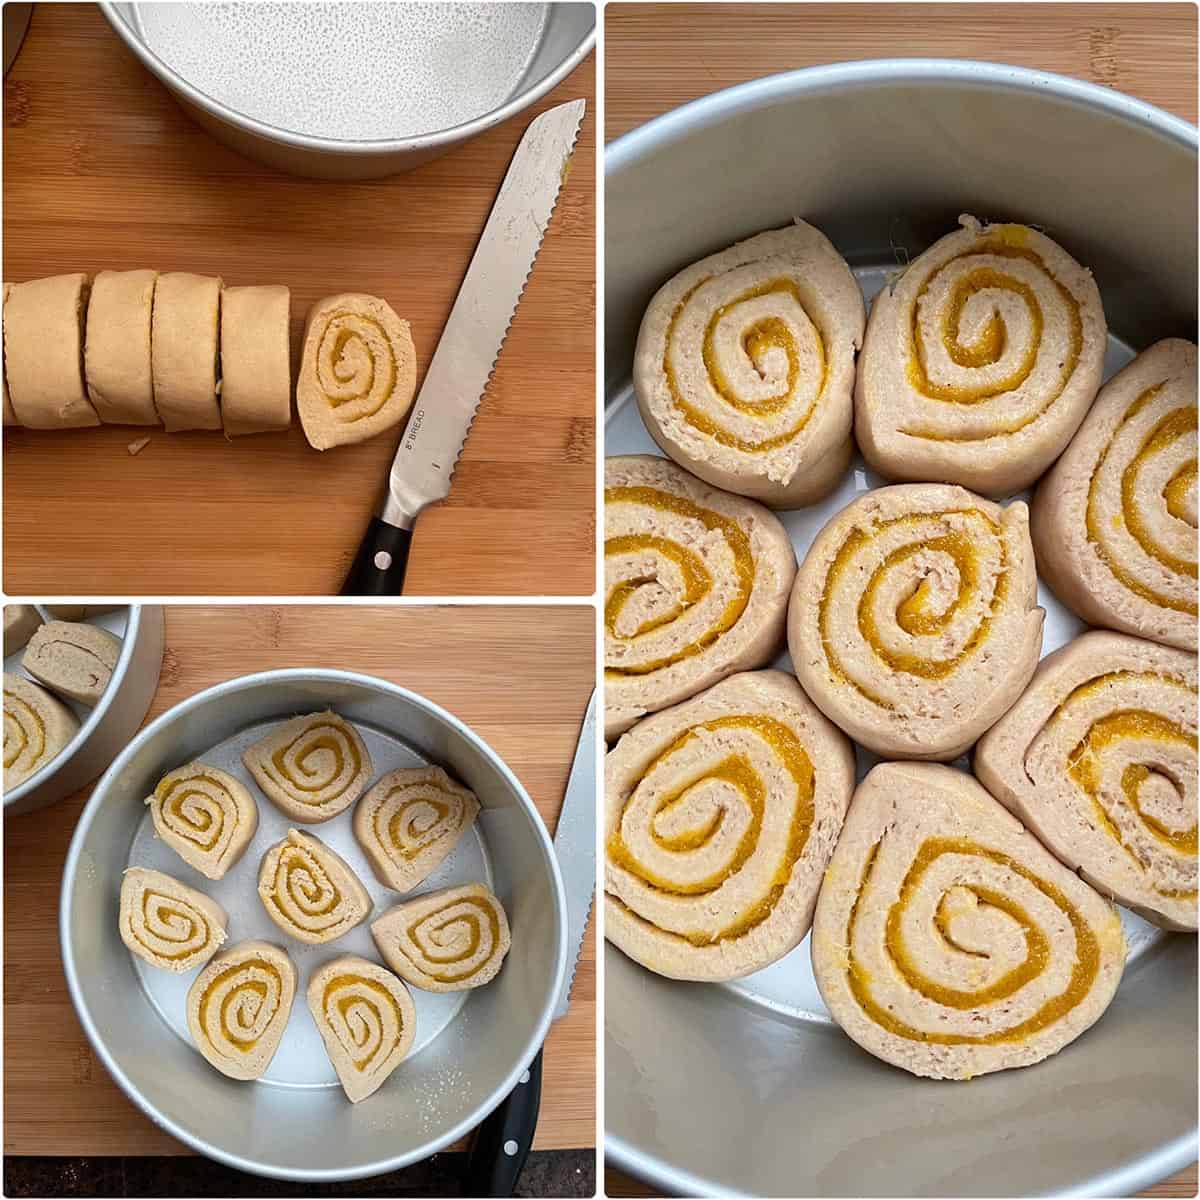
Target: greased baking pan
{"type": "Point", "coordinates": [748, 1087]}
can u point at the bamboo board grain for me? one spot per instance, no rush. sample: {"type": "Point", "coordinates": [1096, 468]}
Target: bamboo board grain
{"type": "Point", "coordinates": [658, 56]}
{"type": "Point", "coordinates": [520, 677]}
{"type": "Point", "coordinates": [103, 170]}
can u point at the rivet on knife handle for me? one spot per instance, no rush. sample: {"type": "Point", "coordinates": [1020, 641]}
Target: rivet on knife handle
{"type": "Point", "coordinates": [379, 565]}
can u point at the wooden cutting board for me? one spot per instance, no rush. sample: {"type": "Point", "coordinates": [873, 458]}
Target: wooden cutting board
{"type": "Point", "coordinates": [103, 170]}
{"type": "Point", "coordinates": [520, 677]}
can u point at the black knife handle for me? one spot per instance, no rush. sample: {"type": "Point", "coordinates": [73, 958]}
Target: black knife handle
{"type": "Point", "coordinates": [503, 1141]}
{"type": "Point", "coordinates": [379, 565]}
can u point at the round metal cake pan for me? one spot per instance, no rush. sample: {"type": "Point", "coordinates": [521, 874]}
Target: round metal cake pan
{"type": "Point", "coordinates": [748, 1088]}
{"type": "Point", "coordinates": [300, 1129]}
{"type": "Point", "coordinates": [568, 37]}
{"type": "Point", "coordinates": [107, 727]}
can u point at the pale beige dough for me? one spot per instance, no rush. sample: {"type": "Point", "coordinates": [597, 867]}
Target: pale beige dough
{"type": "Point", "coordinates": [238, 1008]}
{"type": "Point", "coordinates": [72, 659]}
{"type": "Point", "coordinates": [37, 728]}
{"type": "Point", "coordinates": [184, 341]}
{"type": "Point", "coordinates": [358, 370]}
{"type": "Point", "coordinates": [914, 623]}
{"type": "Point", "coordinates": [1114, 523]}
{"type": "Point", "coordinates": [10, 416]}
{"type": "Point", "coordinates": [117, 352]}
{"type": "Point", "coordinates": [445, 941]}
{"type": "Point", "coordinates": [311, 767]}
{"type": "Point", "coordinates": [947, 940]}
{"type": "Point", "coordinates": [168, 924]}
{"type": "Point", "coordinates": [365, 1017]}
{"type": "Point", "coordinates": [980, 361]}
{"type": "Point", "coordinates": [205, 815]}
{"type": "Point", "coordinates": [1098, 758]}
{"type": "Point", "coordinates": [309, 891]}
{"type": "Point", "coordinates": [410, 821]}
{"type": "Point", "coordinates": [753, 764]}
{"type": "Point", "coordinates": [76, 612]}
{"type": "Point", "coordinates": [20, 623]}
{"type": "Point", "coordinates": [43, 352]}
{"type": "Point", "coordinates": [744, 366]}
{"type": "Point", "coordinates": [696, 585]}
{"type": "Point", "coordinates": [256, 371]}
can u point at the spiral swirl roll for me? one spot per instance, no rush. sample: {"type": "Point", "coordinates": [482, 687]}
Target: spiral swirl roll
{"type": "Point", "coordinates": [1114, 523]}
{"type": "Point", "coordinates": [309, 891]}
{"type": "Point", "coordinates": [1098, 758]}
{"type": "Point", "coordinates": [311, 767]}
{"type": "Point", "coordinates": [695, 585]}
{"type": "Point", "coordinates": [167, 923]}
{"type": "Point", "coordinates": [980, 361]}
{"type": "Point", "coordinates": [366, 1019]}
{"type": "Point", "coordinates": [238, 1008]}
{"type": "Point", "coordinates": [358, 370]}
{"type": "Point", "coordinates": [205, 815]}
{"type": "Point", "coordinates": [37, 728]}
{"type": "Point", "coordinates": [410, 821]}
{"type": "Point", "coordinates": [913, 622]}
{"type": "Point", "coordinates": [73, 659]}
{"type": "Point", "coordinates": [445, 941]}
{"type": "Point", "coordinates": [947, 940]}
{"type": "Point", "coordinates": [745, 365]}
{"type": "Point", "coordinates": [720, 817]}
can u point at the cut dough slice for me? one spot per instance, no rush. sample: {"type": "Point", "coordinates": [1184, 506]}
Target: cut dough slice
{"type": "Point", "coordinates": [365, 1017]}
{"type": "Point", "coordinates": [914, 622]}
{"type": "Point", "coordinates": [309, 891]}
{"type": "Point", "coordinates": [20, 623]}
{"type": "Point", "coordinates": [947, 940]}
{"type": "Point", "coordinates": [43, 352]}
{"type": "Point", "coordinates": [37, 728]}
{"type": "Point", "coordinates": [720, 817]}
{"type": "Point", "coordinates": [410, 821]}
{"type": "Point", "coordinates": [744, 366]}
{"type": "Point", "coordinates": [186, 325]}
{"type": "Point", "coordinates": [10, 416]}
{"type": "Point", "coordinates": [1114, 523]}
{"type": "Point", "coordinates": [445, 941]}
{"type": "Point", "coordinates": [117, 352]}
{"type": "Point", "coordinates": [696, 586]}
{"type": "Point", "coordinates": [358, 371]}
{"type": "Point", "coordinates": [167, 923]}
{"type": "Point", "coordinates": [73, 660]}
{"type": "Point", "coordinates": [205, 815]}
{"type": "Point", "coordinates": [980, 361]}
{"type": "Point", "coordinates": [1098, 758]}
{"type": "Point", "coordinates": [256, 370]}
{"type": "Point", "coordinates": [311, 767]}
{"type": "Point", "coordinates": [238, 1008]}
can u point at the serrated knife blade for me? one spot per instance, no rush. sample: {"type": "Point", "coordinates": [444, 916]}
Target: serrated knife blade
{"type": "Point", "coordinates": [469, 347]}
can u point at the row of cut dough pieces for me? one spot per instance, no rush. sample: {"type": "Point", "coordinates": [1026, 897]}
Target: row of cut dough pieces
{"type": "Point", "coordinates": [186, 352]}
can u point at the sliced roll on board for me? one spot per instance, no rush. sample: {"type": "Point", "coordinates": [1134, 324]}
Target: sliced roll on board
{"type": "Point", "coordinates": [256, 369]}
{"type": "Point", "coordinates": [1098, 758]}
{"type": "Point", "coordinates": [117, 355]}
{"type": "Point", "coordinates": [168, 924]}
{"type": "Point", "coordinates": [947, 940]}
{"type": "Point", "coordinates": [720, 817]}
{"type": "Point", "coordinates": [184, 346]}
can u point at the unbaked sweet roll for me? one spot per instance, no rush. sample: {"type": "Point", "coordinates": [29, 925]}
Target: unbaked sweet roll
{"type": "Point", "coordinates": [21, 621]}
{"type": "Point", "coordinates": [980, 361]}
{"type": "Point", "coordinates": [73, 659]}
{"type": "Point", "coordinates": [43, 352]}
{"type": "Point", "coordinates": [445, 941]}
{"type": "Point", "coordinates": [37, 728]}
{"type": "Point", "coordinates": [410, 821]}
{"type": "Point", "coordinates": [366, 1019]}
{"type": "Point", "coordinates": [914, 622]}
{"type": "Point", "coordinates": [720, 817]}
{"type": "Point", "coordinates": [309, 891]}
{"type": "Point", "coordinates": [948, 940]}
{"type": "Point", "coordinates": [744, 366]}
{"type": "Point", "coordinates": [168, 924]}
{"type": "Point", "coordinates": [1114, 523]}
{"type": "Point", "coordinates": [1098, 757]}
{"type": "Point", "coordinates": [185, 332]}
{"type": "Point", "coordinates": [238, 1008]}
{"type": "Point", "coordinates": [256, 369]}
{"type": "Point", "coordinates": [311, 767]}
{"type": "Point", "coordinates": [117, 361]}
{"type": "Point", "coordinates": [695, 586]}
{"type": "Point", "coordinates": [205, 815]}
{"type": "Point", "coordinates": [358, 370]}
